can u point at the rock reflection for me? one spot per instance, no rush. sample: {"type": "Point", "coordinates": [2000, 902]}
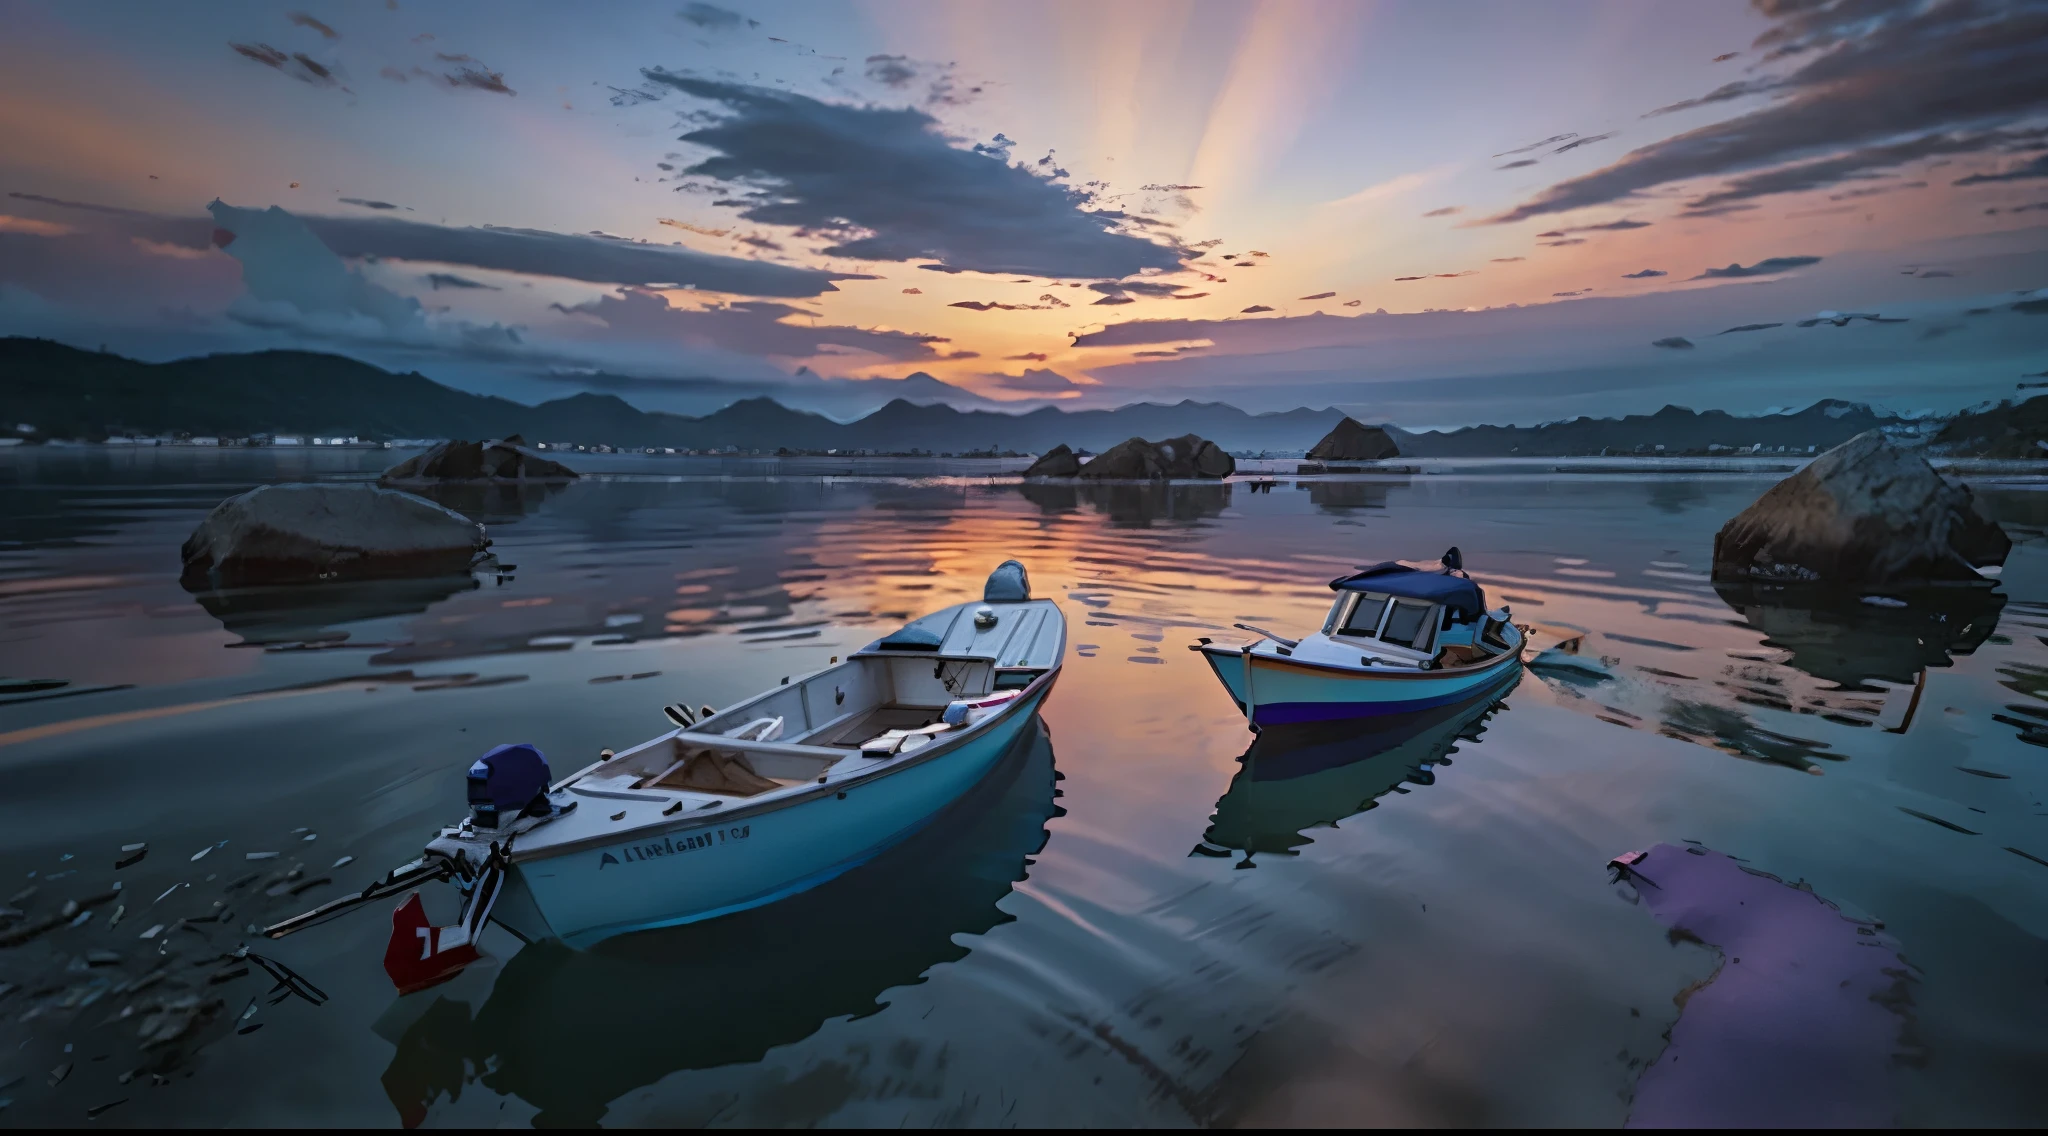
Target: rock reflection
{"type": "Point", "coordinates": [1342, 497]}
{"type": "Point", "coordinates": [1843, 639]}
{"type": "Point", "coordinates": [313, 613]}
{"type": "Point", "coordinates": [1295, 778]}
{"type": "Point", "coordinates": [1133, 504]}
{"type": "Point", "coordinates": [571, 1031]}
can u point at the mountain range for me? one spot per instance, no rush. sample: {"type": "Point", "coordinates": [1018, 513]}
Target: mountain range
{"type": "Point", "coordinates": [64, 392]}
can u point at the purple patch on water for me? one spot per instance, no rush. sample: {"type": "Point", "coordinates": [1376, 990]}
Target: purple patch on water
{"type": "Point", "coordinates": [1800, 1026]}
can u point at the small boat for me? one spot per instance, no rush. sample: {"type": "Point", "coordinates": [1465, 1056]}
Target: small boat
{"type": "Point", "coordinates": [1398, 639]}
{"type": "Point", "coordinates": [736, 808]}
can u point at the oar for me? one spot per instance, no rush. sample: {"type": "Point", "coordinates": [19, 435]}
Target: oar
{"type": "Point", "coordinates": [403, 879]}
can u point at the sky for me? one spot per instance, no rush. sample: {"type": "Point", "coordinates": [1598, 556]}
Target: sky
{"type": "Point", "coordinates": [1429, 213]}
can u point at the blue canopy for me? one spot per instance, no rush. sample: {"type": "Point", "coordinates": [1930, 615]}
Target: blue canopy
{"type": "Point", "coordinates": [1458, 593]}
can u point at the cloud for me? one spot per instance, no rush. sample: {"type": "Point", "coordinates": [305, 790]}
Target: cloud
{"type": "Point", "coordinates": [1254, 309]}
{"type": "Point", "coordinates": [1517, 164]}
{"type": "Point", "coordinates": [1726, 56]}
{"type": "Point", "coordinates": [713, 18]}
{"type": "Point", "coordinates": [1114, 300]}
{"type": "Point", "coordinates": [536, 252]}
{"type": "Point", "coordinates": [1876, 190]}
{"type": "Point", "coordinates": [1770, 266]}
{"type": "Point", "coordinates": [1140, 287]}
{"type": "Point", "coordinates": [1405, 279]}
{"type": "Point", "coordinates": [1320, 296]}
{"type": "Point", "coordinates": [297, 64]}
{"type": "Point", "coordinates": [1716, 211]}
{"type": "Point", "coordinates": [1862, 75]}
{"type": "Point", "coordinates": [1453, 275]}
{"type": "Point", "coordinates": [1508, 259]}
{"type": "Point", "coordinates": [366, 204]}
{"type": "Point", "coordinates": [687, 227]}
{"type": "Point", "coordinates": [1046, 302]}
{"type": "Point", "coordinates": [1353, 303]}
{"type": "Point", "coordinates": [2033, 207]}
{"type": "Point", "coordinates": [752, 327]}
{"type": "Point", "coordinates": [33, 227]}
{"type": "Point", "coordinates": [1564, 242]}
{"type": "Point", "coordinates": [1569, 295]}
{"type": "Point", "coordinates": [1037, 381]}
{"type": "Point", "coordinates": [440, 280]}
{"type": "Point", "coordinates": [891, 70]}
{"type": "Point", "coordinates": [1167, 188]}
{"type": "Point", "coordinates": [479, 78]}
{"type": "Point", "coordinates": [1446, 211]}
{"type": "Point", "coordinates": [1587, 141]}
{"type": "Point", "coordinates": [302, 20]}
{"type": "Point", "coordinates": [1027, 357]}
{"type": "Point", "coordinates": [1675, 342]}
{"type": "Point", "coordinates": [888, 184]}
{"type": "Point", "coordinates": [1645, 274]}
{"type": "Point", "coordinates": [2038, 168]}
{"type": "Point", "coordinates": [1550, 141]}
{"type": "Point", "coordinates": [913, 291]}
{"type": "Point", "coordinates": [1750, 327]}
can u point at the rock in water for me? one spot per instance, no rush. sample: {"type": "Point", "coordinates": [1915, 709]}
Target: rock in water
{"type": "Point", "coordinates": [1353, 440]}
{"type": "Point", "coordinates": [1056, 462]}
{"type": "Point", "coordinates": [1183, 458]}
{"type": "Point", "coordinates": [1865, 512]}
{"type": "Point", "coordinates": [476, 461]}
{"type": "Point", "coordinates": [281, 534]}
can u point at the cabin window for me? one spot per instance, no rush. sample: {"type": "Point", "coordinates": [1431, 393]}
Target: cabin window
{"type": "Point", "coordinates": [1408, 625]}
{"type": "Point", "coordinates": [1365, 616]}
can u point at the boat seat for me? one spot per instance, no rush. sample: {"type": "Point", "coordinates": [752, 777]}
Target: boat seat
{"type": "Point", "coordinates": [709, 771]}
{"type": "Point", "coordinates": [1460, 655]}
{"type": "Point", "coordinates": [874, 723]}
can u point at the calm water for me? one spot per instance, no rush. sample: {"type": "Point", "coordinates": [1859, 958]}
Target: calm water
{"type": "Point", "coordinates": [1426, 935]}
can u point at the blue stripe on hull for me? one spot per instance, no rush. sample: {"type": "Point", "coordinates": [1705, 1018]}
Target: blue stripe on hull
{"type": "Point", "coordinates": [1290, 713]}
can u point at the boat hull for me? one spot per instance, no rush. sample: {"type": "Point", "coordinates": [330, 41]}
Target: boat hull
{"type": "Point", "coordinates": [1275, 691]}
{"type": "Point", "coordinates": [724, 865]}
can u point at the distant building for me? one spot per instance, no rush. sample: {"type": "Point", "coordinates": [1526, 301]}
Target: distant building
{"type": "Point", "coordinates": [286, 440]}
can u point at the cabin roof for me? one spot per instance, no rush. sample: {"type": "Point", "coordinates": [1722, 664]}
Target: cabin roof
{"type": "Point", "coordinates": [1393, 578]}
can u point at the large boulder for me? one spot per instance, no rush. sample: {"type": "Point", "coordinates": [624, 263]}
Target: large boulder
{"type": "Point", "coordinates": [476, 461]}
{"type": "Point", "coordinates": [1864, 513]}
{"type": "Point", "coordinates": [1353, 440]}
{"type": "Point", "coordinates": [281, 534]}
{"type": "Point", "coordinates": [1184, 458]}
{"type": "Point", "coordinates": [1056, 462]}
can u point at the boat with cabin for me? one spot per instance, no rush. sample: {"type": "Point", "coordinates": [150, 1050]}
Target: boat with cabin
{"type": "Point", "coordinates": [736, 808]}
{"type": "Point", "coordinates": [1399, 638]}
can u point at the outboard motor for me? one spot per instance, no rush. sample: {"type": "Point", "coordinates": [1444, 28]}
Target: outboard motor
{"type": "Point", "coordinates": [510, 781]}
{"type": "Point", "coordinates": [1454, 561]}
{"type": "Point", "coordinates": [1007, 584]}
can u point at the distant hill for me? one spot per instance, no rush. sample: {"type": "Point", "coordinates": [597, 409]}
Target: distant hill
{"type": "Point", "coordinates": [2003, 431]}
{"type": "Point", "coordinates": [1673, 429]}
{"type": "Point", "coordinates": [68, 393]}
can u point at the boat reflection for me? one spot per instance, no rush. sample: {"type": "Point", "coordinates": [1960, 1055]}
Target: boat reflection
{"type": "Point", "coordinates": [1298, 777]}
{"type": "Point", "coordinates": [1848, 639]}
{"type": "Point", "coordinates": [570, 1031]}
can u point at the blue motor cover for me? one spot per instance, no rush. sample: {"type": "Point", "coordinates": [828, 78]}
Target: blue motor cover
{"type": "Point", "coordinates": [505, 782]}
{"type": "Point", "coordinates": [1007, 584]}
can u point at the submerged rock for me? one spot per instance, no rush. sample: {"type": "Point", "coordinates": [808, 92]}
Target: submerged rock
{"type": "Point", "coordinates": [477, 461]}
{"type": "Point", "coordinates": [280, 534]}
{"type": "Point", "coordinates": [1865, 512]}
{"type": "Point", "coordinates": [1184, 458]}
{"type": "Point", "coordinates": [1056, 462]}
{"type": "Point", "coordinates": [1353, 440]}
